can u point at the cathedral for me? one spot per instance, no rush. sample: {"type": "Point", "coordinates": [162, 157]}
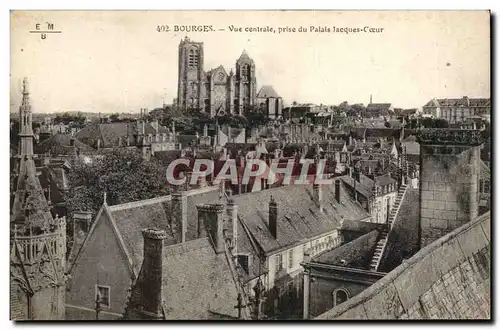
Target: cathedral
{"type": "Point", "coordinates": [216, 92]}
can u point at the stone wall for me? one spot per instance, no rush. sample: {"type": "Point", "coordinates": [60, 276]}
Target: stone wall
{"type": "Point", "coordinates": [449, 167]}
{"type": "Point", "coordinates": [448, 279]}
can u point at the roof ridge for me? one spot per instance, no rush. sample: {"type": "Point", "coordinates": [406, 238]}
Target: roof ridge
{"type": "Point", "coordinates": [143, 202]}
{"type": "Point", "coordinates": [195, 244]}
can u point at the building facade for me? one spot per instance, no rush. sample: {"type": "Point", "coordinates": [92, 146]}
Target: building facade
{"type": "Point", "coordinates": [458, 110]}
{"type": "Point", "coordinates": [214, 92]}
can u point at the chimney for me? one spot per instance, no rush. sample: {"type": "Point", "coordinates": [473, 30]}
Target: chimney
{"type": "Point", "coordinates": [81, 227]}
{"type": "Point", "coordinates": [179, 214]}
{"type": "Point", "coordinates": [273, 217]}
{"type": "Point", "coordinates": [232, 214]}
{"type": "Point", "coordinates": [318, 196]}
{"type": "Point", "coordinates": [210, 218]}
{"type": "Point", "coordinates": [98, 144]}
{"type": "Point", "coordinates": [356, 174]}
{"type": "Point", "coordinates": [152, 276]}
{"type": "Point", "coordinates": [337, 190]}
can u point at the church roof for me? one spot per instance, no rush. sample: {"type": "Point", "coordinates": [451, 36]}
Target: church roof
{"type": "Point", "coordinates": [267, 91]}
{"type": "Point", "coordinates": [244, 57]}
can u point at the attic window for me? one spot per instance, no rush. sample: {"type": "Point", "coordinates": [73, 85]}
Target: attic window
{"type": "Point", "coordinates": [102, 293]}
{"type": "Point", "coordinates": [243, 261]}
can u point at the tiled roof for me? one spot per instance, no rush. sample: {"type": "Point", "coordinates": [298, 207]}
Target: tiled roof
{"type": "Point", "coordinates": [197, 282]}
{"type": "Point", "coordinates": [356, 254]}
{"type": "Point", "coordinates": [299, 217]}
{"type": "Point", "coordinates": [382, 132]}
{"type": "Point", "coordinates": [384, 180]}
{"type": "Point", "coordinates": [59, 144]}
{"type": "Point", "coordinates": [378, 106]}
{"type": "Point", "coordinates": [464, 101]}
{"type": "Point", "coordinates": [111, 133]}
{"type": "Point", "coordinates": [131, 218]}
{"type": "Point", "coordinates": [363, 189]}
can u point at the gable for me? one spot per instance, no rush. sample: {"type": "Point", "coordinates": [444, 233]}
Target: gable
{"type": "Point", "coordinates": [101, 260]}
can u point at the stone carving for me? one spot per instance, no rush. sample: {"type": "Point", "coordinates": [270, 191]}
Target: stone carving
{"type": "Point", "coordinates": [450, 136]}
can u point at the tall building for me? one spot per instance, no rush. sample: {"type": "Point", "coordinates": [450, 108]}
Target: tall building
{"type": "Point", "coordinates": [37, 240]}
{"type": "Point", "coordinates": [215, 91]}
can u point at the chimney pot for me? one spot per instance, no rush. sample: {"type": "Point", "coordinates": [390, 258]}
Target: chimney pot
{"type": "Point", "coordinates": [273, 217]}
{"type": "Point", "coordinates": [337, 190]}
{"type": "Point", "coordinates": [318, 196]}
{"type": "Point", "coordinates": [179, 214]}
{"type": "Point", "coordinates": [210, 217]}
{"type": "Point", "coordinates": [151, 298]}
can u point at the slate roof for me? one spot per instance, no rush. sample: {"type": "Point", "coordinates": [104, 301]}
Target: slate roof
{"type": "Point", "coordinates": [384, 180]}
{"type": "Point", "coordinates": [298, 214]}
{"type": "Point", "coordinates": [267, 91]}
{"type": "Point", "coordinates": [111, 133]}
{"type": "Point", "coordinates": [356, 254]}
{"type": "Point", "coordinates": [244, 57]}
{"type": "Point", "coordinates": [59, 144]}
{"type": "Point", "coordinates": [197, 282]}
{"type": "Point", "coordinates": [378, 106]}
{"type": "Point", "coordinates": [464, 101]}
{"type": "Point", "coordinates": [131, 218]}
{"type": "Point", "coordinates": [363, 189]}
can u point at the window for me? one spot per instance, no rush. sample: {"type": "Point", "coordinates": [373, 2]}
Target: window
{"type": "Point", "coordinates": [290, 258]}
{"type": "Point", "coordinates": [486, 187]}
{"type": "Point", "coordinates": [279, 263]}
{"type": "Point", "coordinates": [340, 296]}
{"type": "Point", "coordinates": [193, 59]}
{"type": "Point", "coordinates": [102, 292]}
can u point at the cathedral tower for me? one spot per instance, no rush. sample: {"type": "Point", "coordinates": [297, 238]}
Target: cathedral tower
{"type": "Point", "coordinates": [191, 88]}
{"type": "Point", "coordinates": [246, 83]}
{"type": "Point", "coordinates": [37, 240]}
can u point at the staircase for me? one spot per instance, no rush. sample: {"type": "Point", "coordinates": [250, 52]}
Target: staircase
{"type": "Point", "coordinates": [382, 242]}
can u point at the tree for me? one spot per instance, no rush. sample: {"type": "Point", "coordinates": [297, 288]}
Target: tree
{"type": "Point", "coordinates": [115, 117]}
{"type": "Point", "coordinates": [123, 174]}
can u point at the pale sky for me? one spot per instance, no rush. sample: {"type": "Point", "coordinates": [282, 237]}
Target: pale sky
{"type": "Point", "coordinates": [116, 61]}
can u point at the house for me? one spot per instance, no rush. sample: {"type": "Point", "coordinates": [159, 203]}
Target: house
{"type": "Point", "coordinates": [377, 194]}
{"type": "Point", "coordinates": [456, 110]}
{"type": "Point", "coordinates": [194, 280]}
{"type": "Point", "coordinates": [111, 253]}
{"type": "Point", "coordinates": [282, 223]}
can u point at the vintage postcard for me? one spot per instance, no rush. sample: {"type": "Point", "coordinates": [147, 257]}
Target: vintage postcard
{"type": "Point", "coordinates": [250, 165]}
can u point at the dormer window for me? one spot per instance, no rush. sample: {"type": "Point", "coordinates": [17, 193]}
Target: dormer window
{"type": "Point", "coordinates": [244, 262]}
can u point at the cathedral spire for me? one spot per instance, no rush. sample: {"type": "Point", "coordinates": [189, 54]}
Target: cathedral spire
{"type": "Point", "coordinates": [25, 123]}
